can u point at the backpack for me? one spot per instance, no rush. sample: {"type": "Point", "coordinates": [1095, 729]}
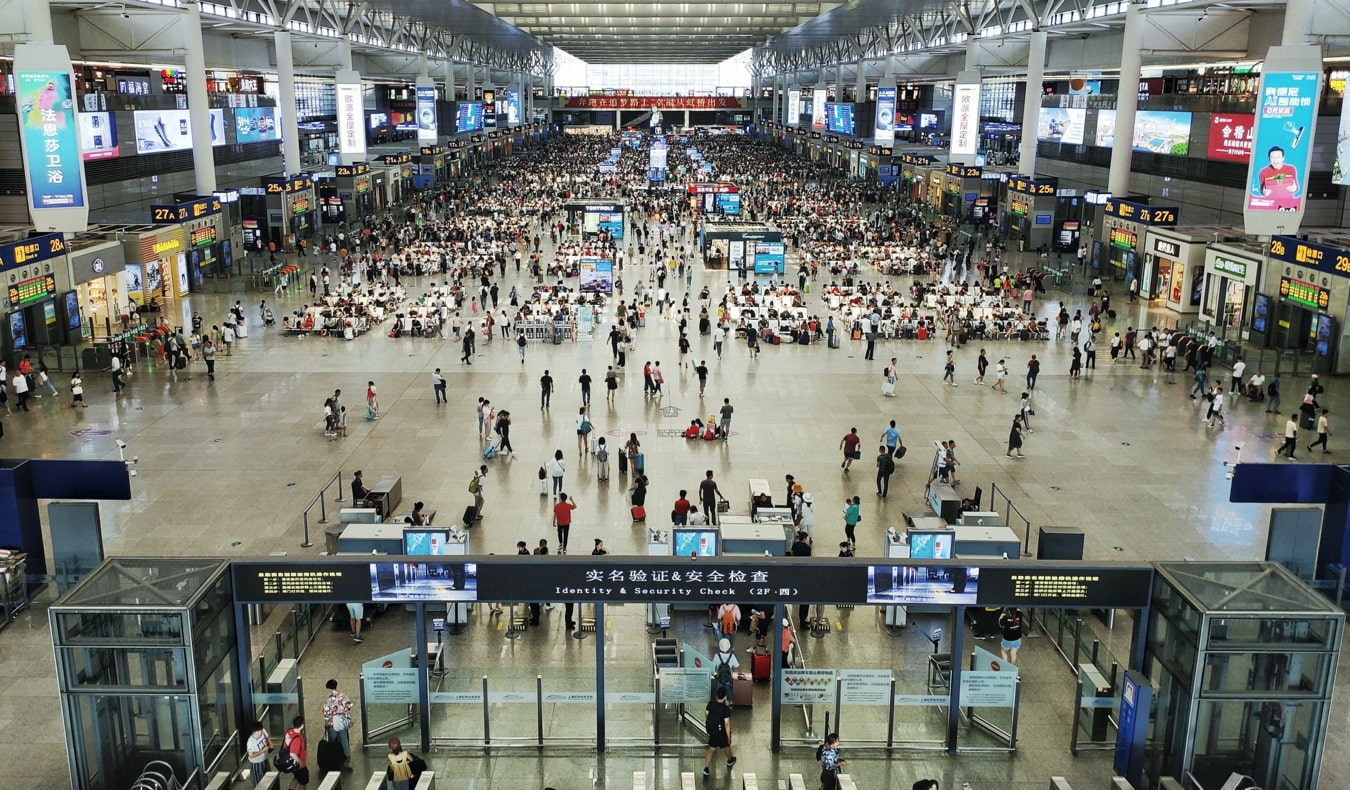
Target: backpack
{"type": "Point", "coordinates": [1273, 388]}
{"type": "Point", "coordinates": [474, 485]}
{"type": "Point", "coordinates": [543, 474]}
{"type": "Point", "coordinates": [723, 669]}
{"type": "Point", "coordinates": [888, 465]}
{"type": "Point", "coordinates": [729, 620]}
{"type": "Point", "coordinates": [520, 341]}
{"type": "Point", "coordinates": [602, 455]}
{"type": "Point", "coordinates": [285, 761]}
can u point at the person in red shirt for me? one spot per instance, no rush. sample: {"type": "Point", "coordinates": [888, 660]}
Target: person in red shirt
{"type": "Point", "coordinates": [294, 742]}
{"type": "Point", "coordinates": [680, 513]}
{"type": "Point", "coordinates": [849, 444]}
{"type": "Point", "coordinates": [1279, 181]}
{"type": "Point", "coordinates": [562, 520]}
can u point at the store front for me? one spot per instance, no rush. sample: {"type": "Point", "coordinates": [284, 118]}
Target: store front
{"type": "Point", "coordinates": [1232, 277]}
{"type": "Point", "coordinates": [97, 268]}
{"type": "Point", "coordinates": [39, 300]}
{"type": "Point", "coordinates": [292, 210]}
{"type": "Point", "coordinates": [1125, 224]}
{"type": "Point", "coordinates": [154, 259]}
{"type": "Point", "coordinates": [182, 259]}
{"type": "Point", "coordinates": [1174, 268]}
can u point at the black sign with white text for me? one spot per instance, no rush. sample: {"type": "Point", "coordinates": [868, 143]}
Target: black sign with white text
{"type": "Point", "coordinates": [1065, 585]}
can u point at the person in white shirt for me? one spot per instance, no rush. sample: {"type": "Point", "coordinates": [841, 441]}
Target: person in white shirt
{"type": "Point", "coordinates": [1239, 370]}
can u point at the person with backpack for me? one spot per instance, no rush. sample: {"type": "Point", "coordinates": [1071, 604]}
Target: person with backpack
{"type": "Point", "coordinates": [292, 758]}
{"type": "Point", "coordinates": [827, 754]}
{"type": "Point", "coordinates": [725, 665]}
{"type": "Point", "coordinates": [885, 468]}
{"type": "Point", "coordinates": [717, 723]}
{"type": "Point", "coordinates": [404, 767]}
{"type": "Point", "coordinates": [728, 620]}
{"type": "Point", "coordinates": [476, 485]}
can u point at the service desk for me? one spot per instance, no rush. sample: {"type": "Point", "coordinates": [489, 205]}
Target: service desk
{"type": "Point", "coordinates": [386, 495]}
{"type": "Point", "coordinates": [740, 535]}
{"type": "Point", "coordinates": [987, 542]}
{"type": "Point", "coordinates": [368, 538]}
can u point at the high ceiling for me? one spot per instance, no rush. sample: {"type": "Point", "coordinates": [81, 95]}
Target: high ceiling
{"type": "Point", "coordinates": [699, 31]}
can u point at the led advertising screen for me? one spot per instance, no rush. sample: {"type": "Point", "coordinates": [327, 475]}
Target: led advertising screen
{"type": "Point", "coordinates": [966, 120]}
{"type": "Point", "coordinates": [98, 135]}
{"type": "Point", "coordinates": [1154, 131]}
{"type": "Point", "coordinates": [158, 131]}
{"type": "Point", "coordinates": [427, 126]}
{"type": "Point", "coordinates": [424, 581]}
{"type": "Point", "coordinates": [1230, 137]}
{"type": "Point", "coordinates": [45, 103]}
{"type": "Point", "coordinates": [18, 329]}
{"type": "Point", "coordinates": [596, 275]}
{"type": "Point", "coordinates": [818, 108]}
{"type": "Point", "coordinates": [908, 584]}
{"type": "Point", "coordinates": [1061, 125]}
{"type": "Point", "coordinates": [425, 542]}
{"type": "Point", "coordinates": [656, 157]}
{"type": "Point", "coordinates": [728, 203]}
{"type": "Point", "coordinates": [1285, 114]}
{"type": "Point", "coordinates": [931, 545]}
{"type": "Point", "coordinates": [839, 117]}
{"type": "Point", "coordinates": [770, 257]}
{"type": "Point", "coordinates": [469, 116]}
{"type": "Point", "coordinates": [256, 125]}
{"type": "Point", "coordinates": [885, 122]}
{"type": "Point", "coordinates": [489, 109]}
{"type": "Point", "coordinates": [514, 109]}
{"type": "Point", "coordinates": [689, 542]}
{"type": "Point", "coordinates": [72, 300]}
{"type": "Point", "coordinates": [794, 108]}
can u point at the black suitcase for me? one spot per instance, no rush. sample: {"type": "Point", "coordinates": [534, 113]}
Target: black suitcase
{"type": "Point", "coordinates": [834, 340]}
{"type": "Point", "coordinates": [623, 462]}
{"type": "Point", "coordinates": [470, 515]}
{"type": "Point", "coordinates": [330, 756]}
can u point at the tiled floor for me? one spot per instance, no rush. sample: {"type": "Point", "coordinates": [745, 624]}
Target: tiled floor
{"type": "Point", "coordinates": [225, 468]}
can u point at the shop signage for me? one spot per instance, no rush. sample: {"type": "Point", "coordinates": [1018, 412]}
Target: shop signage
{"type": "Point", "coordinates": [1297, 292]}
{"type": "Point", "coordinates": [184, 212]}
{"type": "Point", "coordinates": [1138, 212]}
{"type": "Point", "coordinates": [359, 168]}
{"type": "Point", "coordinates": [954, 187]}
{"type": "Point", "coordinates": [202, 236]}
{"type": "Point", "coordinates": [1167, 249]}
{"type": "Point", "coordinates": [162, 246]}
{"type": "Point", "coordinates": [362, 185]}
{"type": "Point", "coordinates": [965, 171]}
{"type": "Point", "coordinates": [283, 186]}
{"type": "Point", "coordinates": [34, 290]}
{"type": "Point", "coordinates": [966, 116]}
{"type": "Point", "coordinates": [1229, 266]}
{"type": "Point", "coordinates": [1124, 239]}
{"type": "Point", "coordinates": [1034, 186]}
{"type": "Point", "coordinates": [1310, 255]}
{"type": "Point", "coordinates": [32, 250]}
{"type": "Point", "coordinates": [654, 103]}
{"type": "Point", "coordinates": [351, 115]}
{"type": "Point", "coordinates": [916, 159]}
{"type": "Point", "coordinates": [1230, 137]}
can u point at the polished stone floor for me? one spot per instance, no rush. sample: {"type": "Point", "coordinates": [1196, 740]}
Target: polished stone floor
{"type": "Point", "coordinates": [226, 467]}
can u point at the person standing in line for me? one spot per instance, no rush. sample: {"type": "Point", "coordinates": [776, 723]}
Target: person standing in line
{"type": "Point", "coordinates": [1011, 623]}
{"type": "Point", "coordinates": [556, 468]}
{"type": "Point", "coordinates": [1024, 410]}
{"type": "Point", "coordinates": [337, 720]}
{"type": "Point", "coordinates": [585, 381]}
{"type": "Point", "coordinates": [77, 391]}
{"type": "Point", "coordinates": [1323, 433]}
{"type": "Point", "coordinates": [949, 370]}
{"type": "Point", "coordinates": [724, 422]}
{"type": "Point", "coordinates": [717, 723]}
{"type": "Point", "coordinates": [1000, 377]}
{"type": "Point", "coordinates": [885, 468]}
{"type": "Point", "coordinates": [438, 386]}
{"type": "Point", "coordinates": [708, 494]}
{"type": "Point", "coordinates": [1015, 438]}
{"type": "Point", "coordinates": [852, 515]}
{"type": "Point", "coordinates": [981, 365]}
{"type": "Point", "coordinates": [294, 742]}
{"type": "Point", "coordinates": [849, 445]}
{"type": "Point", "coordinates": [871, 344]}
{"type": "Point", "coordinates": [562, 520]}
{"type": "Point", "coordinates": [400, 773]}
{"type": "Point", "coordinates": [701, 370]}
{"type": "Point", "coordinates": [1033, 371]}
{"type": "Point", "coordinates": [1239, 370]}
{"type": "Point", "coordinates": [545, 390]}
{"type": "Point", "coordinates": [830, 762]}
{"type": "Point", "coordinates": [258, 747]}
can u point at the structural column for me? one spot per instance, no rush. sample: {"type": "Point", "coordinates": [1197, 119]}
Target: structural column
{"type": "Point", "coordinates": [860, 85]}
{"type": "Point", "coordinates": [199, 102]}
{"type": "Point", "coordinates": [345, 52]}
{"type": "Point", "coordinates": [473, 81]}
{"type": "Point", "coordinates": [972, 52]}
{"type": "Point", "coordinates": [1127, 101]}
{"type": "Point", "coordinates": [36, 16]}
{"type": "Point", "coordinates": [290, 130]}
{"type": "Point", "coordinates": [1031, 106]}
{"type": "Point", "coordinates": [1298, 20]}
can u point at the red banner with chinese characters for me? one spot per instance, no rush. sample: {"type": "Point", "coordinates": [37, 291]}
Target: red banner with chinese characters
{"type": "Point", "coordinates": [654, 102]}
{"type": "Point", "coordinates": [1230, 137]}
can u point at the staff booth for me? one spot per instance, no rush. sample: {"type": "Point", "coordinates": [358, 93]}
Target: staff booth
{"type": "Point", "coordinates": [203, 242]}
{"type": "Point", "coordinates": [96, 269]}
{"type": "Point", "coordinates": [355, 190]}
{"type": "Point", "coordinates": [1175, 272]}
{"type": "Point", "coordinates": [431, 166]}
{"type": "Point", "coordinates": [39, 295]}
{"type": "Point", "coordinates": [399, 168]}
{"type": "Point", "coordinates": [880, 161]}
{"type": "Point", "coordinates": [1310, 283]}
{"type": "Point", "coordinates": [292, 210]}
{"type": "Point", "coordinates": [1232, 278]}
{"type": "Point", "coordinates": [1029, 215]}
{"type": "Point", "coordinates": [914, 175]}
{"type": "Point", "coordinates": [589, 218]}
{"type": "Point", "coordinates": [736, 245]}
{"type": "Point", "coordinates": [964, 183]}
{"type": "Point", "coordinates": [714, 198]}
{"type": "Point", "coordinates": [1125, 223]}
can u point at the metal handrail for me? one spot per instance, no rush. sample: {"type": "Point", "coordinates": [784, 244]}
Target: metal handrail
{"type": "Point", "coordinates": [323, 506]}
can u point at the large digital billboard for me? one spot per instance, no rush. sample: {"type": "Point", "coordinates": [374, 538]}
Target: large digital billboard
{"type": "Point", "coordinates": [158, 131]}
{"type": "Point", "coordinates": [1230, 137]}
{"type": "Point", "coordinates": [50, 137]}
{"type": "Point", "coordinates": [98, 135]}
{"type": "Point", "coordinates": [794, 108]}
{"type": "Point", "coordinates": [427, 127]}
{"type": "Point", "coordinates": [1158, 132]}
{"type": "Point", "coordinates": [256, 125]}
{"type": "Point", "coordinates": [596, 275]}
{"type": "Point", "coordinates": [966, 121]}
{"type": "Point", "coordinates": [885, 122]}
{"type": "Point", "coordinates": [1061, 125]}
{"type": "Point", "coordinates": [1285, 113]}
{"type": "Point", "coordinates": [514, 110]}
{"type": "Point", "coordinates": [469, 116]}
{"type": "Point", "coordinates": [818, 108]}
{"type": "Point", "coordinates": [839, 117]}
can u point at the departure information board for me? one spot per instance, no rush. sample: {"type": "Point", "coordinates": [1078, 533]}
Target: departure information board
{"type": "Point", "coordinates": [1094, 588]}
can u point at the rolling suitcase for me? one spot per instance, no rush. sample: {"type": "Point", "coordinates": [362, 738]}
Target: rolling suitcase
{"type": "Point", "coordinates": [638, 464]}
{"type": "Point", "coordinates": [742, 690]}
{"type": "Point", "coordinates": [623, 463]}
{"type": "Point", "coordinates": [760, 664]}
{"type": "Point", "coordinates": [834, 340]}
{"type": "Point", "coordinates": [470, 515]}
{"type": "Point", "coordinates": [330, 756]}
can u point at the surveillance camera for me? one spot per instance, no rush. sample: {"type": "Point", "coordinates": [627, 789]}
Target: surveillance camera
{"type": "Point", "coordinates": [131, 473]}
{"type": "Point", "coordinates": [121, 445]}
{"type": "Point", "coordinates": [1239, 446]}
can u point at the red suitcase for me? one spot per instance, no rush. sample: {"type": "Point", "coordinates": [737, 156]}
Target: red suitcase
{"type": "Point", "coordinates": [639, 514]}
{"type": "Point", "coordinates": [760, 664]}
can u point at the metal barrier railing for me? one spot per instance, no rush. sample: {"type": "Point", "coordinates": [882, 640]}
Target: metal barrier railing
{"type": "Point", "coordinates": [1008, 510]}
{"type": "Point", "coordinates": [323, 506]}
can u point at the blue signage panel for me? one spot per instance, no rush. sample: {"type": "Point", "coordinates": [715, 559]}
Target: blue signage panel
{"type": "Point", "coordinates": [32, 250]}
{"type": "Point", "coordinates": [256, 125]}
